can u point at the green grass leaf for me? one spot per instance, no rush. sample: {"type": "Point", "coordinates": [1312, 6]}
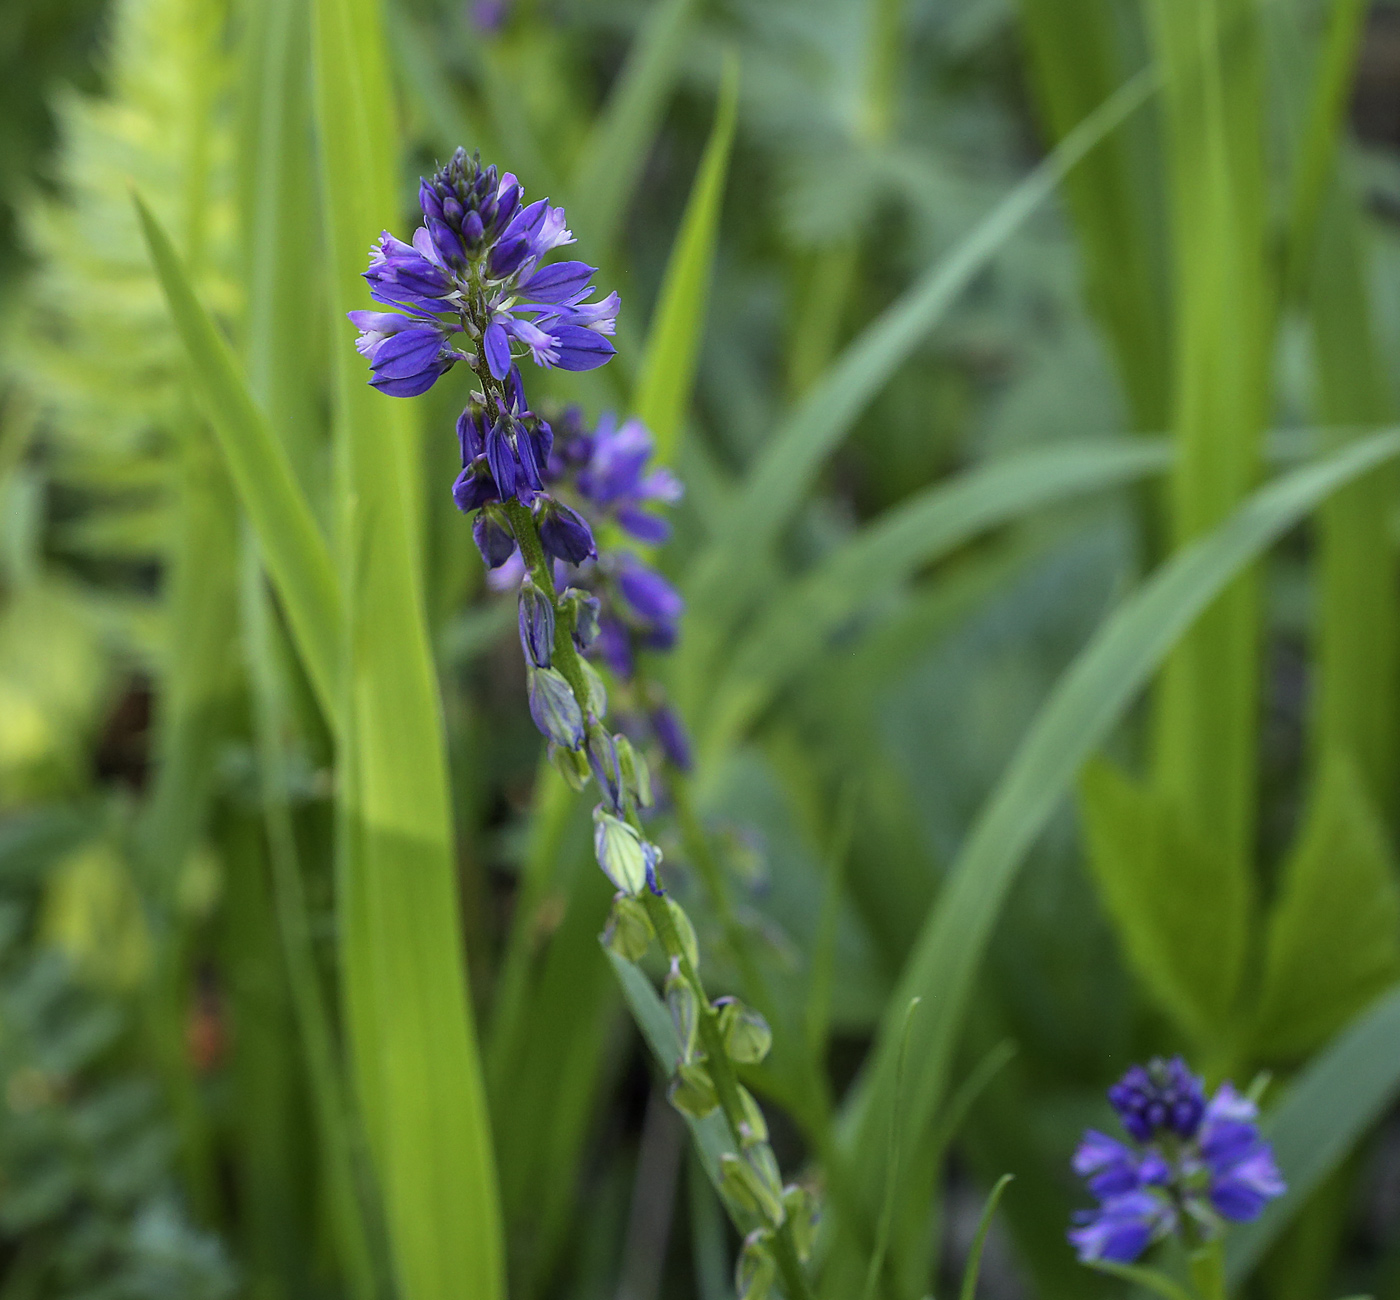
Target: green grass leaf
{"type": "Point", "coordinates": [1087, 703]}
{"type": "Point", "coordinates": [979, 1240]}
{"type": "Point", "coordinates": [872, 566]}
{"type": "Point", "coordinates": [610, 161]}
{"type": "Point", "coordinates": [293, 549]}
{"type": "Point", "coordinates": [407, 1009]}
{"type": "Point", "coordinates": [1325, 1112]}
{"type": "Point", "coordinates": [667, 375]}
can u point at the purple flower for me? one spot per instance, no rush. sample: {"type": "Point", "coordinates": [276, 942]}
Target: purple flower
{"type": "Point", "coordinates": [474, 267]}
{"type": "Point", "coordinates": [1122, 1227]}
{"type": "Point", "coordinates": [564, 532]}
{"type": "Point", "coordinates": [1189, 1159]}
{"type": "Point", "coordinates": [1162, 1095]}
{"type": "Point", "coordinates": [611, 465]}
{"type": "Point", "coordinates": [670, 731]}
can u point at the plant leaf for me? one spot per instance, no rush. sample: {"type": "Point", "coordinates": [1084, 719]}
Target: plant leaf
{"type": "Point", "coordinates": [667, 375]}
{"type": "Point", "coordinates": [979, 1240]}
{"type": "Point", "coordinates": [1333, 936]}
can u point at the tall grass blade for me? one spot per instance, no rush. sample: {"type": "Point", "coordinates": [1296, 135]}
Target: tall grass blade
{"type": "Point", "coordinates": [414, 1046]}
{"type": "Point", "coordinates": [886, 553]}
{"type": "Point", "coordinates": [295, 551]}
{"type": "Point", "coordinates": [678, 324]}
{"type": "Point", "coordinates": [1326, 1110]}
{"type": "Point", "coordinates": [1086, 705]}
{"type": "Point", "coordinates": [979, 1240]}
{"type": "Point", "coordinates": [610, 161]}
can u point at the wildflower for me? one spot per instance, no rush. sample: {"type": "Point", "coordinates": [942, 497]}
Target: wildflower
{"type": "Point", "coordinates": [1192, 1164]}
{"type": "Point", "coordinates": [474, 269]}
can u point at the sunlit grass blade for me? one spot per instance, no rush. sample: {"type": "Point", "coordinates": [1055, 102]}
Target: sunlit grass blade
{"type": "Point", "coordinates": [1088, 702]}
{"type": "Point", "coordinates": [610, 162]}
{"type": "Point", "coordinates": [721, 580]}
{"type": "Point", "coordinates": [293, 548]}
{"type": "Point", "coordinates": [979, 1240]}
{"type": "Point", "coordinates": [1345, 1090]}
{"type": "Point", "coordinates": [678, 322]}
{"type": "Point", "coordinates": [409, 1016]}
{"type": "Point", "coordinates": [886, 553]}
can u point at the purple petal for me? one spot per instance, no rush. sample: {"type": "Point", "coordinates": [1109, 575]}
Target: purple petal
{"type": "Point", "coordinates": [558, 282]}
{"type": "Point", "coordinates": [580, 348]}
{"type": "Point", "coordinates": [642, 526]}
{"type": "Point", "coordinates": [497, 346]}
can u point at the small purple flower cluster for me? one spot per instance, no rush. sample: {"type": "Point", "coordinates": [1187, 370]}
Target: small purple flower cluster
{"type": "Point", "coordinates": [1192, 1164]}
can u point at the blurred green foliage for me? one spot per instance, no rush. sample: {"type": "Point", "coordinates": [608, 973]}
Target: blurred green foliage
{"type": "Point", "coordinates": [983, 313]}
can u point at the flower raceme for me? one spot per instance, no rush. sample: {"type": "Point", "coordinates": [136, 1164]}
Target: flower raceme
{"type": "Point", "coordinates": [1192, 1164]}
{"type": "Point", "coordinates": [471, 280]}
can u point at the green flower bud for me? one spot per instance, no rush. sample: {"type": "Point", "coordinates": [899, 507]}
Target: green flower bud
{"type": "Point", "coordinates": [750, 1180]}
{"type": "Point", "coordinates": [803, 1211]}
{"type": "Point", "coordinates": [685, 932]}
{"type": "Point", "coordinates": [685, 1010]}
{"type": "Point", "coordinates": [692, 1091]}
{"type": "Point", "coordinates": [571, 764]}
{"type": "Point", "coordinates": [756, 1270]}
{"type": "Point", "coordinates": [597, 692]}
{"type": "Point", "coordinates": [629, 933]}
{"type": "Point", "coordinates": [635, 773]}
{"type": "Point", "coordinates": [753, 1129]}
{"type": "Point", "coordinates": [619, 852]}
{"type": "Point", "coordinates": [747, 1036]}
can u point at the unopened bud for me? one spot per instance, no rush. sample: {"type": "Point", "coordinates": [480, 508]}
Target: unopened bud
{"type": "Point", "coordinates": [570, 764]}
{"type": "Point", "coordinates": [597, 692]}
{"type": "Point", "coordinates": [685, 1010]}
{"type": "Point", "coordinates": [619, 852]}
{"type": "Point", "coordinates": [553, 707]}
{"type": "Point", "coordinates": [602, 758]}
{"type": "Point", "coordinates": [803, 1213]}
{"type": "Point", "coordinates": [751, 1186]}
{"type": "Point", "coordinates": [746, 1034]}
{"type": "Point", "coordinates": [635, 773]}
{"type": "Point", "coordinates": [629, 933]}
{"type": "Point", "coordinates": [692, 1091]}
{"type": "Point", "coordinates": [536, 624]}
{"type": "Point", "coordinates": [756, 1270]}
{"type": "Point", "coordinates": [685, 932]}
{"type": "Point", "coordinates": [753, 1128]}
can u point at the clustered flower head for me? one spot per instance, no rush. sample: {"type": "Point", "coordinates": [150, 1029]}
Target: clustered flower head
{"type": "Point", "coordinates": [1191, 1165]}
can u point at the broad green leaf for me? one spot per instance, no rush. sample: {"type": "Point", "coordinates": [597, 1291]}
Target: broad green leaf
{"type": "Point", "coordinates": [612, 157]}
{"type": "Point", "coordinates": [1153, 873]}
{"type": "Point", "coordinates": [885, 554]}
{"type": "Point", "coordinates": [407, 1009]}
{"type": "Point", "coordinates": [678, 323]}
{"type": "Point", "coordinates": [1326, 1111]}
{"type": "Point", "coordinates": [1089, 701]}
{"type": "Point", "coordinates": [1333, 936]}
{"type": "Point", "coordinates": [294, 550]}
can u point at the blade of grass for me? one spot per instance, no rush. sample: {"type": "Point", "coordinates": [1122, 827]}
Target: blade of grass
{"type": "Point", "coordinates": [611, 158]}
{"type": "Point", "coordinates": [889, 551]}
{"type": "Point", "coordinates": [979, 1240]}
{"type": "Point", "coordinates": [1328, 1108]}
{"type": "Point", "coordinates": [407, 1008]}
{"type": "Point", "coordinates": [1088, 702]}
{"type": "Point", "coordinates": [672, 353]}
{"type": "Point", "coordinates": [1146, 1278]}
{"type": "Point", "coordinates": [295, 552]}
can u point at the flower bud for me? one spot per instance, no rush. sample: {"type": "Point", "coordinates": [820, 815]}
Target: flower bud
{"type": "Point", "coordinates": [585, 614]}
{"type": "Point", "coordinates": [495, 541]}
{"type": "Point", "coordinates": [685, 932]}
{"type": "Point", "coordinates": [553, 707]}
{"type": "Point", "coordinates": [619, 852]}
{"type": "Point", "coordinates": [748, 1180]}
{"type": "Point", "coordinates": [602, 758]}
{"type": "Point", "coordinates": [756, 1270]}
{"type": "Point", "coordinates": [753, 1128]}
{"type": "Point", "coordinates": [746, 1034]}
{"type": "Point", "coordinates": [635, 773]}
{"type": "Point", "coordinates": [684, 1007]}
{"type": "Point", "coordinates": [570, 764]}
{"type": "Point", "coordinates": [803, 1212]}
{"type": "Point", "coordinates": [597, 692]}
{"type": "Point", "coordinates": [564, 532]}
{"type": "Point", "coordinates": [629, 933]}
{"type": "Point", "coordinates": [692, 1091]}
{"type": "Point", "coordinates": [536, 624]}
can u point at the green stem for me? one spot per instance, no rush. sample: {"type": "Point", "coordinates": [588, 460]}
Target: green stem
{"type": "Point", "coordinates": [1208, 1271]}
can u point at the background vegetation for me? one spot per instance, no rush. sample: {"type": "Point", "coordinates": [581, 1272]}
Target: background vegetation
{"type": "Point", "coordinates": [1030, 367]}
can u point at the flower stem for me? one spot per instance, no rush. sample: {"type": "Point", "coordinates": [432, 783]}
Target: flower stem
{"type": "Point", "coordinates": [1208, 1271]}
